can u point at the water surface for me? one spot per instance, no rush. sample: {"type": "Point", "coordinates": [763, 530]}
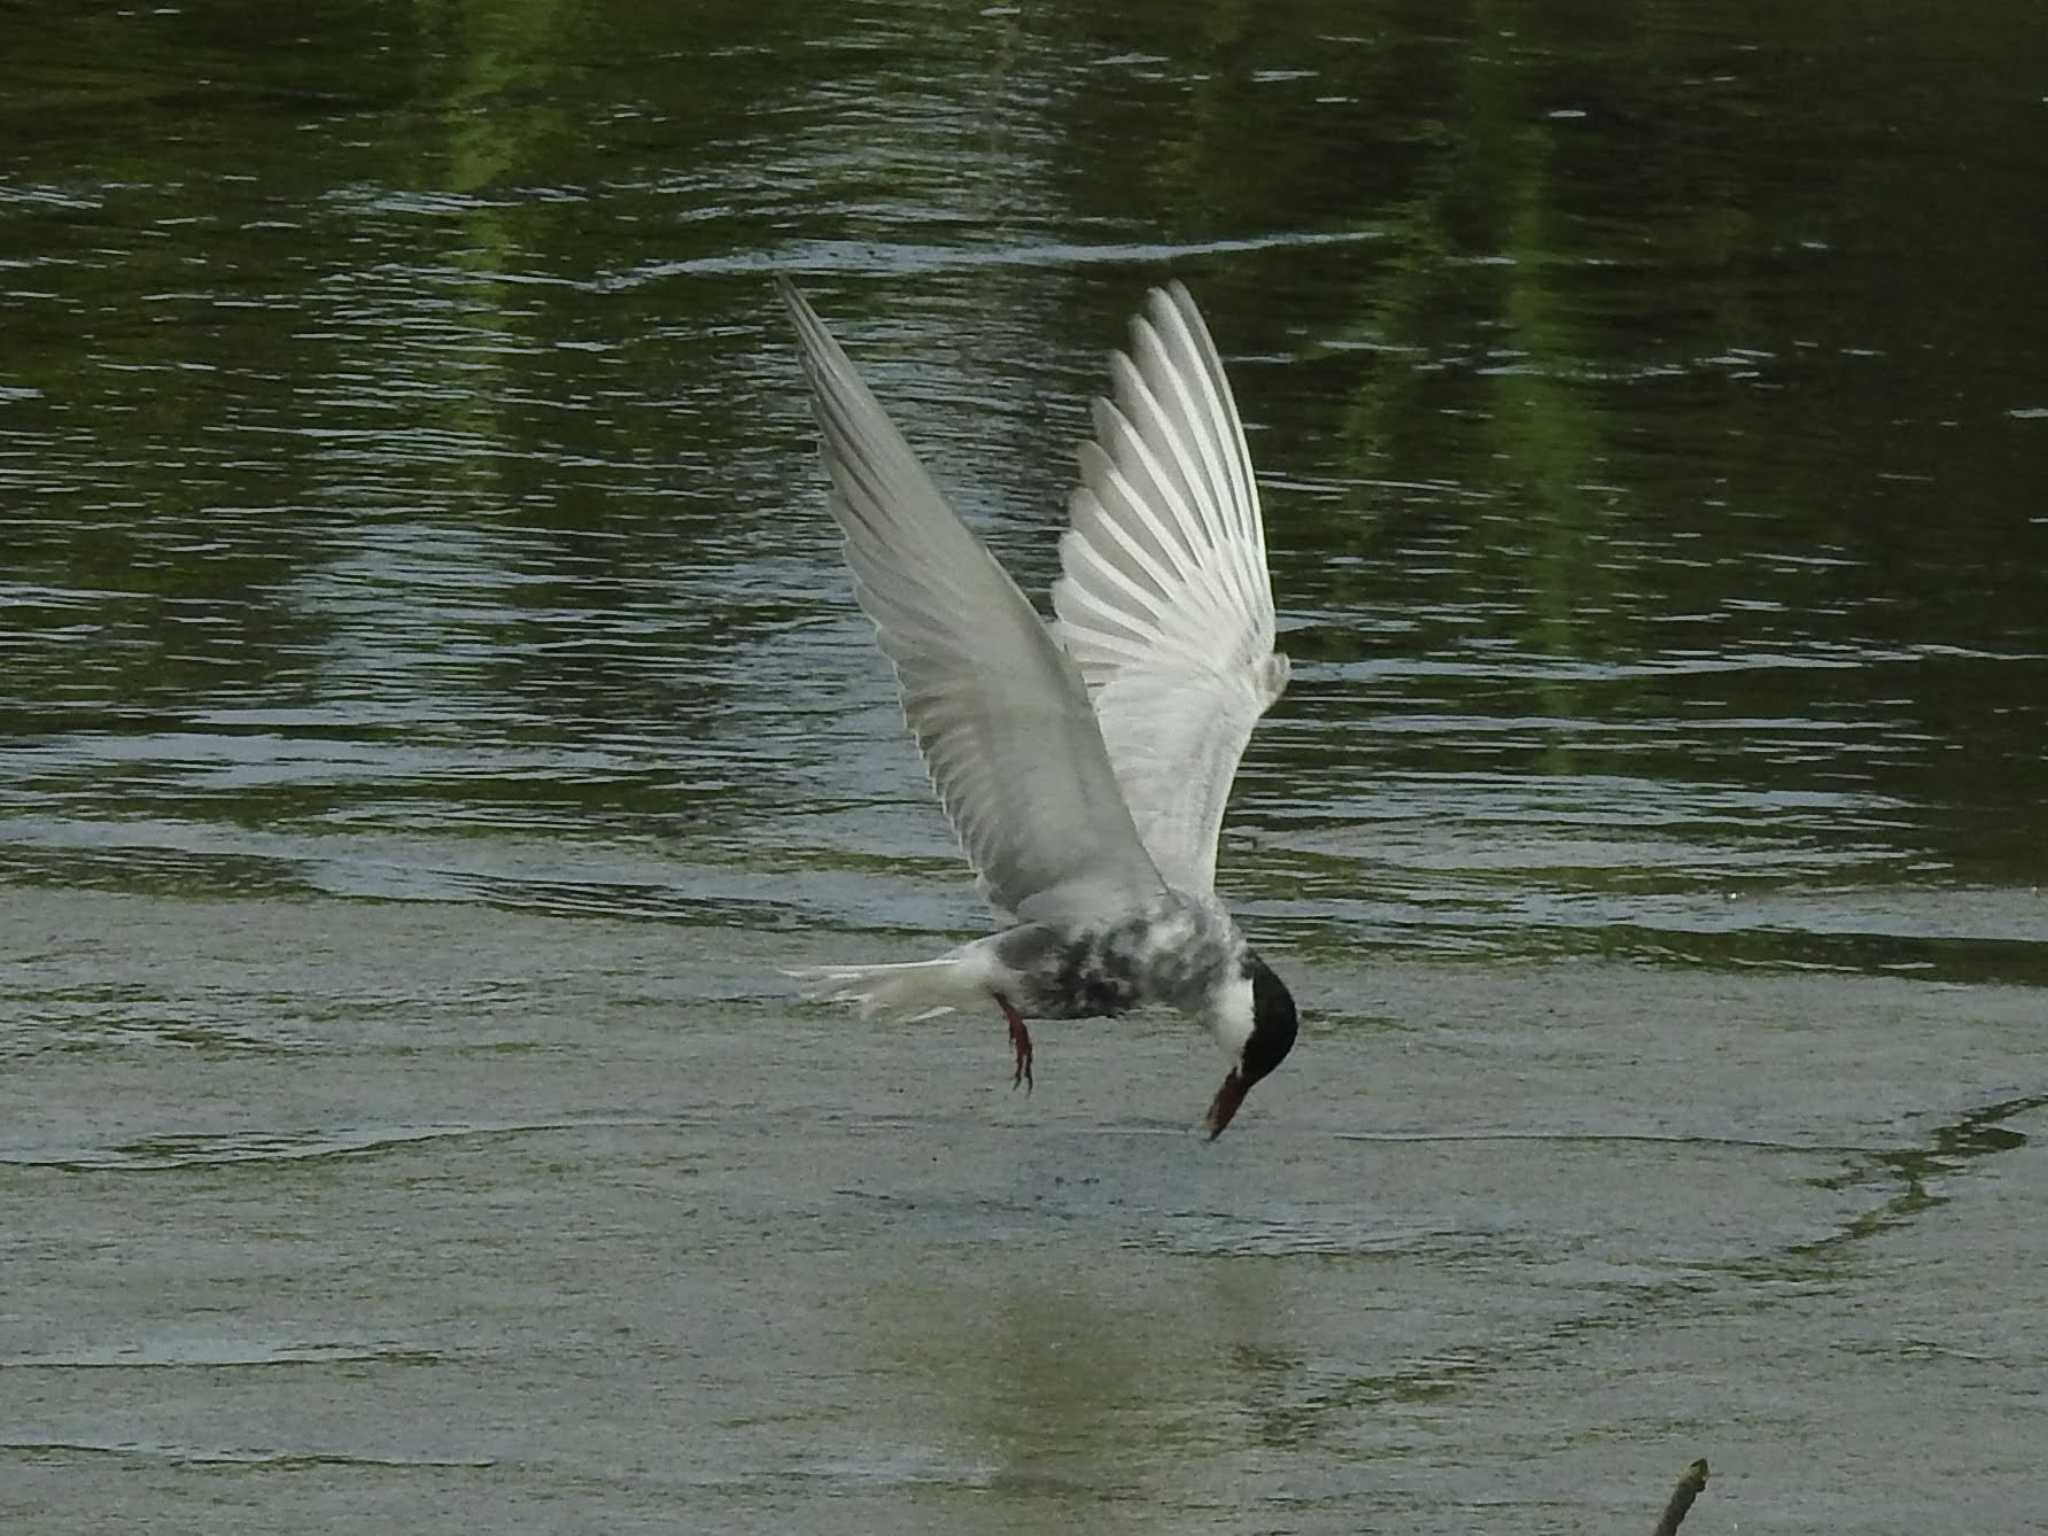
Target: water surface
{"type": "Point", "coordinates": [432, 710]}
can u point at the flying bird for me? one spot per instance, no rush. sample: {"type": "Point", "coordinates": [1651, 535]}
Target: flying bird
{"type": "Point", "coordinates": [1084, 763]}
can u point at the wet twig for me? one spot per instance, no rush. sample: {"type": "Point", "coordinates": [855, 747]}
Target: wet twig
{"type": "Point", "coordinates": [1688, 1489]}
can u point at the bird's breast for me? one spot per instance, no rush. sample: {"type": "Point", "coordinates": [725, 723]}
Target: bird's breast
{"type": "Point", "coordinates": [1175, 952]}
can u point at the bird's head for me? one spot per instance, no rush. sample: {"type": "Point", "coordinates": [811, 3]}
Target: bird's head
{"type": "Point", "coordinates": [1256, 1021]}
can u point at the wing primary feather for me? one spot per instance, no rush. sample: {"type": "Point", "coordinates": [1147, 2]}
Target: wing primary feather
{"type": "Point", "coordinates": [1174, 411]}
{"type": "Point", "coordinates": [1164, 456]}
{"type": "Point", "coordinates": [1089, 519]}
{"type": "Point", "coordinates": [1202, 348]}
{"type": "Point", "coordinates": [1139, 612]}
{"type": "Point", "coordinates": [1108, 506]}
{"type": "Point", "coordinates": [1000, 713]}
{"type": "Point", "coordinates": [1165, 600]}
{"type": "Point", "coordinates": [1123, 516]}
{"type": "Point", "coordinates": [1154, 486]}
{"type": "Point", "coordinates": [1107, 629]}
{"type": "Point", "coordinates": [1201, 371]}
{"type": "Point", "coordinates": [1219, 379]}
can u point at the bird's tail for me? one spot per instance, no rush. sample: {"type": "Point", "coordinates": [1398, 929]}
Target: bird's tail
{"type": "Point", "coordinates": [917, 989]}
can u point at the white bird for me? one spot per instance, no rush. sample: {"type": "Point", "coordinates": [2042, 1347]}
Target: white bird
{"type": "Point", "coordinates": [1084, 763]}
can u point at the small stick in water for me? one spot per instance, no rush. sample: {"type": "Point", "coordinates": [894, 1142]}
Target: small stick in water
{"type": "Point", "coordinates": [1688, 1489]}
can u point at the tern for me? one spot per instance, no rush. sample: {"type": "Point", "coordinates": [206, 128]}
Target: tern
{"type": "Point", "coordinates": [1084, 762]}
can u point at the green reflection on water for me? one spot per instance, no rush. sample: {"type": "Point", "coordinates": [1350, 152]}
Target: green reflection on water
{"type": "Point", "coordinates": [415, 383]}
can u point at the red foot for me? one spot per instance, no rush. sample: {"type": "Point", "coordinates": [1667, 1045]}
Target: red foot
{"type": "Point", "coordinates": [1020, 1042]}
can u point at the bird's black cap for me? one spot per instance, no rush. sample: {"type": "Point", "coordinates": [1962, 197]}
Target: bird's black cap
{"type": "Point", "coordinates": [1274, 1021]}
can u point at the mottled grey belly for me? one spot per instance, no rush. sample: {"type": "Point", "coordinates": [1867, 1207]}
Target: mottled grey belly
{"type": "Point", "coordinates": [1170, 954]}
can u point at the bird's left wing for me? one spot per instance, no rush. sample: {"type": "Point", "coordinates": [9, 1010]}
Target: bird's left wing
{"type": "Point", "coordinates": [1165, 602]}
{"type": "Point", "coordinates": [999, 712]}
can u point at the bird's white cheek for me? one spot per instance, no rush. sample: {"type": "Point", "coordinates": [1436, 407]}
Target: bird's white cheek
{"type": "Point", "coordinates": [1231, 1020]}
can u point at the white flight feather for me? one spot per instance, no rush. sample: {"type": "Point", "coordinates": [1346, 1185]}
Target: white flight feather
{"type": "Point", "coordinates": [1000, 713]}
{"type": "Point", "coordinates": [1165, 602]}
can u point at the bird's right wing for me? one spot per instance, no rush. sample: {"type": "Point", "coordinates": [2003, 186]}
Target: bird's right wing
{"type": "Point", "coordinates": [1165, 602]}
{"type": "Point", "coordinates": [999, 712]}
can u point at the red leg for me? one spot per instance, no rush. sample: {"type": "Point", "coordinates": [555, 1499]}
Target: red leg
{"type": "Point", "coordinates": [1020, 1042]}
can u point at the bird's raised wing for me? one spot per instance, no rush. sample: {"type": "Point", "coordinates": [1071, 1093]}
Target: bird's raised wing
{"type": "Point", "coordinates": [1165, 603]}
{"type": "Point", "coordinates": [999, 712]}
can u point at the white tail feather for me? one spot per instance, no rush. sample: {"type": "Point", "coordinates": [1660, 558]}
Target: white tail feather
{"type": "Point", "coordinates": [916, 989]}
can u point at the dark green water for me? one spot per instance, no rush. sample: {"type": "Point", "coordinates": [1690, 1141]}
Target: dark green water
{"type": "Point", "coordinates": [431, 711]}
